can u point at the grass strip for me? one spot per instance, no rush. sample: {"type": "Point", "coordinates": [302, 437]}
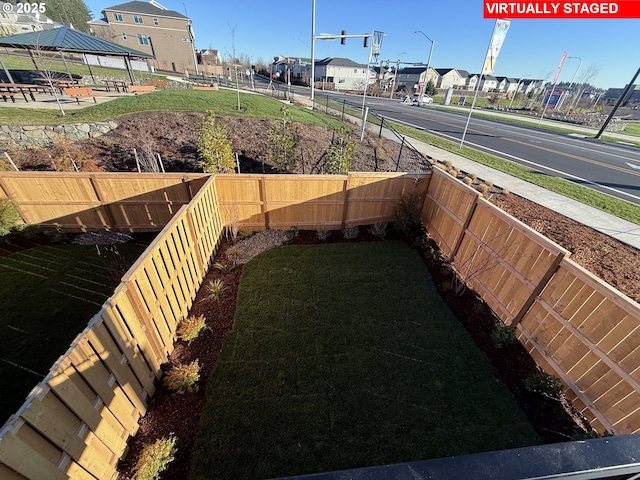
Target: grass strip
{"type": "Point", "coordinates": [342, 356]}
{"type": "Point", "coordinates": [49, 295]}
{"type": "Point", "coordinates": [222, 102]}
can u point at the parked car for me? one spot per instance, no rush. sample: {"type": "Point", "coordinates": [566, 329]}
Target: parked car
{"type": "Point", "coordinates": [425, 100]}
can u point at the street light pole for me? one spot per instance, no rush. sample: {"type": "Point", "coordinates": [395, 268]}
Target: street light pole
{"type": "Point", "coordinates": [313, 44]}
{"type": "Point", "coordinates": [395, 74]}
{"type": "Point", "coordinates": [426, 74]}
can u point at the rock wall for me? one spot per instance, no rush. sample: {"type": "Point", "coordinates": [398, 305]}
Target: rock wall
{"type": "Point", "coordinates": [25, 136]}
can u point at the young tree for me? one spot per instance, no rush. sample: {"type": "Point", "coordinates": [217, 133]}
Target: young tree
{"type": "Point", "coordinates": [430, 89]}
{"type": "Point", "coordinates": [214, 147]}
{"type": "Point", "coordinates": [283, 138]}
{"type": "Point", "coordinates": [340, 153]}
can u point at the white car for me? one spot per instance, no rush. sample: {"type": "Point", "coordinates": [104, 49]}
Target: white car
{"type": "Point", "coordinates": [425, 100]}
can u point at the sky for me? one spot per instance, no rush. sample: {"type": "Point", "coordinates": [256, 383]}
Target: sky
{"type": "Point", "coordinates": [604, 50]}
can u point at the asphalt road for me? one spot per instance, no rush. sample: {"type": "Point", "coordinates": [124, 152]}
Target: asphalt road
{"type": "Point", "coordinates": [609, 168]}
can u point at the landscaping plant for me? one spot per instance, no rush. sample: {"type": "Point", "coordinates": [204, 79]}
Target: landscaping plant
{"type": "Point", "coordinates": [155, 458]}
{"type": "Point", "coordinates": [214, 147]}
{"type": "Point", "coordinates": [503, 335]}
{"type": "Point", "coordinates": [182, 378]}
{"type": "Point", "coordinates": [216, 288]}
{"type": "Point", "coordinates": [544, 384]}
{"type": "Point", "coordinates": [283, 138]}
{"type": "Point", "coordinates": [9, 216]}
{"type": "Point", "coordinates": [191, 327]}
{"type": "Point", "coordinates": [341, 153]}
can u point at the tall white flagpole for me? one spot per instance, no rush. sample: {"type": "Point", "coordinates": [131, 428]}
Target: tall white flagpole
{"type": "Point", "coordinates": [497, 38]}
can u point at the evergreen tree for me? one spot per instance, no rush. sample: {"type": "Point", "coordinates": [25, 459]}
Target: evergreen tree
{"type": "Point", "coordinates": [214, 147]}
{"type": "Point", "coordinates": [68, 12]}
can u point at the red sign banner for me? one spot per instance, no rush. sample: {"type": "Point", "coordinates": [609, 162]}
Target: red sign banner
{"type": "Point", "coordinates": [562, 9]}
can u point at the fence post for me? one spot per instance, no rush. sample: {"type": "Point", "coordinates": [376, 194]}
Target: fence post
{"type": "Point", "coordinates": [381, 126]}
{"type": "Point", "coordinates": [326, 109]}
{"type": "Point", "coordinates": [344, 102]}
{"type": "Point", "coordinates": [399, 154]}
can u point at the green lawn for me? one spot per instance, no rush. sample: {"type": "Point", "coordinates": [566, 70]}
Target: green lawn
{"type": "Point", "coordinates": [342, 356]}
{"type": "Point", "coordinates": [221, 102]}
{"type": "Point", "coordinates": [49, 294]}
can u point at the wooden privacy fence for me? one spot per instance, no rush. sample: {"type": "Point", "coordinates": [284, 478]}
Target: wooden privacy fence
{"type": "Point", "coordinates": [76, 422]}
{"type": "Point", "coordinates": [262, 202]}
{"type": "Point", "coordinates": [100, 201]}
{"type": "Point", "coordinates": [576, 326]}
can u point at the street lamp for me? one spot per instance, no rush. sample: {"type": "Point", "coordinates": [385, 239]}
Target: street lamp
{"type": "Point", "coordinates": [395, 74]}
{"type": "Point", "coordinates": [426, 74]}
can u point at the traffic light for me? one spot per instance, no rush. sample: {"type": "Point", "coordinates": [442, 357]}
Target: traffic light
{"type": "Point", "coordinates": [366, 42]}
{"type": "Point", "coordinates": [343, 39]}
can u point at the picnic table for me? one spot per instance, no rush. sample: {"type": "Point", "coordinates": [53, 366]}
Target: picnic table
{"type": "Point", "coordinates": [14, 89]}
{"type": "Point", "coordinates": [116, 84]}
{"type": "Point", "coordinates": [58, 83]}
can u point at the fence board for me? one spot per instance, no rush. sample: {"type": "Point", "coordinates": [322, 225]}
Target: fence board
{"type": "Point", "coordinates": [599, 347]}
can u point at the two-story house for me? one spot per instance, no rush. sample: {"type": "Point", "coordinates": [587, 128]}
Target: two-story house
{"type": "Point", "coordinates": [450, 78]}
{"type": "Point", "coordinates": [149, 27]}
{"type": "Point", "coordinates": [343, 73]}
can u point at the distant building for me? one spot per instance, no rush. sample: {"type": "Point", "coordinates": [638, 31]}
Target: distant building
{"type": "Point", "coordinates": [12, 23]}
{"type": "Point", "coordinates": [613, 94]}
{"type": "Point", "coordinates": [343, 74]}
{"type": "Point", "coordinates": [149, 27]}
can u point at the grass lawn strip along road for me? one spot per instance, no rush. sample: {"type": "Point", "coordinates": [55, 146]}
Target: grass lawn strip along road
{"type": "Point", "coordinates": [49, 294]}
{"type": "Point", "coordinates": [343, 356]}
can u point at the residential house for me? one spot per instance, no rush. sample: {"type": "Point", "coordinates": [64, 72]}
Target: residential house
{"type": "Point", "coordinates": [210, 56]}
{"type": "Point", "coordinates": [613, 94]}
{"type": "Point", "coordinates": [470, 80]}
{"type": "Point", "coordinates": [450, 78]}
{"type": "Point", "coordinates": [408, 78]}
{"type": "Point", "coordinates": [12, 22]}
{"type": "Point", "coordinates": [531, 86]}
{"type": "Point", "coordinates": [343, 74]}
{"type": "Point", "coordinates": [507, 85]}
{"type": "Point", "coordinates": [488, 83]}
{"type": "Point", "coordinates": [152, 28]}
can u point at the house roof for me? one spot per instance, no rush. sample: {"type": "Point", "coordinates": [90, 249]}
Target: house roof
{"type": "Point", "coordinates": [146, 8]}
{"type": "Point", "coordinates": [411, 70]}
{"type": "Point", "coordinates": [443, 71]}
{"type": "Point", "coordinates": [65, 39]}
{"type": "Point", "coordinates": [508, 79]}
{"type": "Point", "coordinates": [339, 62]}
{"type": "Point", "coordinates": [465, 74]}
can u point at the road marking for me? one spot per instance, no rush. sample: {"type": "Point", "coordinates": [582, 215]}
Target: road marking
{"type": "Point", "coordinates": [637, 167]}
{"type": "Point", "coordinates": [537, 165]}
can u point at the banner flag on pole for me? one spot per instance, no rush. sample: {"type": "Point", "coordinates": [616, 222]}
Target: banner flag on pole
{"type": "Point", "coordinates": [497, 39]}
{"type": "Point", "coordinates": [376, 44]}
{"type": "Point", "coordinates": [564, 57]}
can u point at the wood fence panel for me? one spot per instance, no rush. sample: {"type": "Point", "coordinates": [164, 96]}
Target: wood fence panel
{"type": "Point", "coordinates": [8, 474]}
{"type": "Point", "coordinates": [590, 335]}
{"type": "Point", "coordinates": [447, 209]}
{"type": "Point", "coordinates": [504, 260]}
{"type": "Point", "coordinates": [241, 201]}
{"type": "Point", "coordinates": [99, 201]}
{"type": "Point", "coordinates": [307, 203]}
{"type": "Point", "coordinates": [373, 197]}
{"type": "Point", "coordinates": [25, 451]}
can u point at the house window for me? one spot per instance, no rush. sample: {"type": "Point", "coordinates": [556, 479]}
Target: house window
{"type": "Point", "coordinates": [137, 19]}
{"type": "Point", "coordinates": [118, 17]}
{"type": "Point", "coordinates": [124, 36]}
{"type": "Point", "coordinates": [143, 39]}
{"type": "Point", "coordinates": [155, 20]}
{"type": "Point", "coordinates": [185, 39]}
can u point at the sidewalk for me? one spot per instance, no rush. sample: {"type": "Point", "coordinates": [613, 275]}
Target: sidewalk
{"type": "Point", "coordinates": [615, 227]}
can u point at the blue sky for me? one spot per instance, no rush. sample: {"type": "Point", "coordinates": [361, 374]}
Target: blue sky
{"type": "Point", "coordinates": [532, 48]}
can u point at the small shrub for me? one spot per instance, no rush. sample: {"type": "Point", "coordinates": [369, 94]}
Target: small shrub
{"type": "Point", "coordinates": [242, 234]}
{"type": "Point", "coordinates": [489, 183]}
{"type": "Point", "coordinates": [182, 378]}
{"type": "Point", "coordinates": [224, 267]}
{"type": "Point", "coordinates": [215, 153]}
{"type": "Point", "coordinates": [350, 232]}
{"type": "Point", "coordinates": [323, 234]}
{"type": "Point", "coordinates": [190, 328]}
{"type": "Point", "coordinates": [441, 166]}
{"type": "Point", "coordinates": [407, 215]}
{"type": "Point", "coordinates": [9, 216]}
{"type": "Point", "coordinates": [233, 254]}
{"type": "Point", "coordinates": [293, 232]}
{"type": "Point", "coordinates": [482, 188]}
{"type": "Point", "coordinates": [447, 163]}
{"type": "Point", "coordinates": [474, 176]}
{"type": "Point", "coordinates": [216, 288]}
{"type": "Point", "coordinates": [467, 181]}
{"type": "Point", "coordinates": [506, 192]}
{"type": "Point", "coordinates": [503, 336]}
{"type": "Point", "coordinates": [544, 384]}
{"type": "Point", "coordinates": [155, 458]}
{"type": "Point", "coordinates": [378, 229]}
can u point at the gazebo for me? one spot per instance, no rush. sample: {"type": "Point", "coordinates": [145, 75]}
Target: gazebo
{"type": "Point", "coordinates": [65, 39]}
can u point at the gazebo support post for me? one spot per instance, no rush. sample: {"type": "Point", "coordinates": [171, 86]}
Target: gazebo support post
{"type": "Point", "coordinates": [66, 67]}
{"type": "Point", "coordinates": [4, 67]}
{"type": "Point", "coordinates": [86, 60]}
{"type": "Point", "coordinates": [127, 62]}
